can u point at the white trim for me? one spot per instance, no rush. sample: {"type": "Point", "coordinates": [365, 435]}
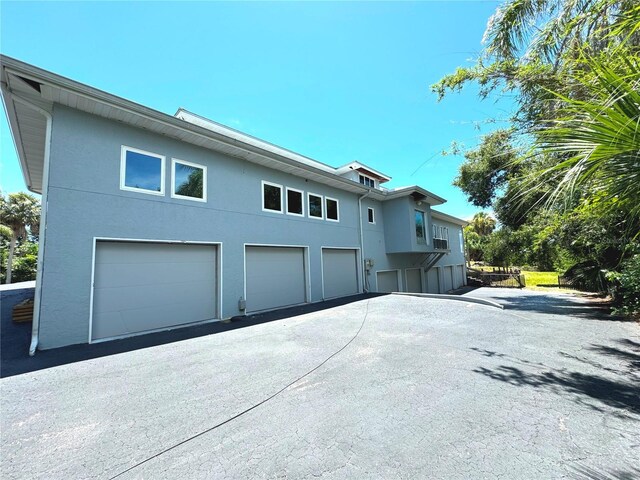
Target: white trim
{"type": "Point", "coordinates": [326, 210]}
{"type": "Point", "coordinates": [123, 169]}
{"type": "Point", "coordinates": [219, 277]}
{"type": "Point", "coordinates": [301, 192]}
{"type": "Point", "coordinates": [173, 180]}
{"type": "Point", "coordinates": [373, 210]}
{"type": "Point", "coordinates": [406, 280]}
{"type": "Point", "coordinates": [307, 290]}
{"type": "Point", "coordinates": [321, 197]}
{"type": "Point", "coordinates": [358, 262]}
{"type": "Point", "coordinates": [264, 182]}
{"type": "Point", "coordinates": [398, 275]}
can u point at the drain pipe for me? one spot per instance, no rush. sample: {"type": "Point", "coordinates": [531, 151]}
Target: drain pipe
{"type": "Point", "coordinates": [35, 327]}
{"type": "Point", "coordinates": [362, 269]}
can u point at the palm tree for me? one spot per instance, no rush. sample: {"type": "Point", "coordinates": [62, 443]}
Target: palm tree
{"type": "Point", "coordinates": [483, 224]}
{"type": "Point", "coordinates": [18, 212]}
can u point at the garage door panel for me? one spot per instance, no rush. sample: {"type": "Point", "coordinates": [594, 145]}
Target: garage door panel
{"type": "Point", "coordinates": [433, 284]}
{"type": "Point", "coordinates": [387, 282]}
{"type": "Point", "coordinates": [447, 278]}
{"type": "Point", "coordinates": [147, 286]}
{"type": "Point", "coordinates": [340, 272]}
{"type": "Point", "coordinates": [414, 280]}
{"type": "Point", "coordinates": [275, 277]}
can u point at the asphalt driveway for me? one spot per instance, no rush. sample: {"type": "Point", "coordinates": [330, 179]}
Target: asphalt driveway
{"type": "Point", "coordinates": [386, 387]}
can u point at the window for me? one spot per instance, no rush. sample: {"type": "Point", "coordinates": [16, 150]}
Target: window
{"type": "Point", "coordinates": [141, 171]}
{"type": "Point", "coordinates": [315, 206]}
{"type": "Point", "coordinates": [295, 205]}
{"type": "Point", "coordinates": [271, 197]}
{"type": "Point", "coordinates": [420, 229]}
{"type": "Point", "coordinates": [189, 180]}
{"type": "Point", "coordinates": [440, 237]}
{"type": "Point", "coordinates": [368, 181]}
{"type": "Point", "coordinates": [461, 240]}
{"type": "Point", "coordinates": [371, 214]}
{"type": "Point", "coordinates": [331, 207]}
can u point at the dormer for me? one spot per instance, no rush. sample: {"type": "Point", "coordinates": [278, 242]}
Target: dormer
{"type": "Point", "coordinates": [362, 174]}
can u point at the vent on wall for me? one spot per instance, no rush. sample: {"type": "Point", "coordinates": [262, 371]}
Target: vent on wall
{"type": "Point", "coordinates": [32, 83]}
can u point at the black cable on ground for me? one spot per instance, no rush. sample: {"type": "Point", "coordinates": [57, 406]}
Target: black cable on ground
{"type": "Point", "coordinates": [366, 313]}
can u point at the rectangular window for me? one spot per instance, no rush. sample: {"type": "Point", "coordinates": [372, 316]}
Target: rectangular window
{"type": "Point", "coordinates": [315, 206]}
{"type": "Point", "coordinates": [189, 180]}
{"type": "Point", "coordinates": [331, 207]}
{"type": "Point", "coordinates": [420, 229]}
{"type": "Point", "coordinates": [368, 181]}
{"type": "Point", "coordinates": [461, 240]}
{"type": "Point", "coordinates": [141, 171]}
{"type": "Point", "coordinates": [371, 214]}
{"type": "Point", "coordinates": [295, 205]}
{"type": "Point", "coordinates": [271, 197]}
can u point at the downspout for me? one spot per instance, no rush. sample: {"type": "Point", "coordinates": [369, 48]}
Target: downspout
{"type": "Point", "coordinates": [35, 327]}
{"type": "Point", "coordinates": [362, 269]}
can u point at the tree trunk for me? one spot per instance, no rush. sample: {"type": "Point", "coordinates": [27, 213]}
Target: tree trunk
{"type": "Point", "coordinates": [12, 247]}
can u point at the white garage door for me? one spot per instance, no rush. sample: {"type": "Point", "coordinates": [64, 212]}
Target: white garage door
{"type": "Point", "coordinates": [387, 281]}
{"type": "Point", "coordinates": [275, 277]}
{"type": "Point", "coordinates": [414, 280]}
{"type": "Point", "coordinates": [433, 283]}
{"type": "Point", "coordinates": [447, 280]}
{"type": "Point", "coordinates": [142, 286]}
{"type": "Point", "coordinates": [339, 272]}
{"type": "Point", "coordinates": [459, 276]}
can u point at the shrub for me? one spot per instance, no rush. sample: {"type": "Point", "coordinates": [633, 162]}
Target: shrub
{"type": "Point", "coordinates": [625, 287]}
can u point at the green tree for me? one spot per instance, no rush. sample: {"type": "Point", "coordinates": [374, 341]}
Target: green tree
{"type": "Point", "coordinates": [20, 213]}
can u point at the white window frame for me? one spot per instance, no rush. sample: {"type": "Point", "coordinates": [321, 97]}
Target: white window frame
{"type": "Point", "coordinates": [309, 194]}
{"type": "Point", "coordinates": [373, 212]}
{"type": "Point", "coordinates": [264, 182]}
{"type": "Point", "coordinates": [123, 170]}
{"type": "Point", "coordinates": [174, 161]}
{"type": "Point", "coordinates": [287, 190]}
{"type": "Point", "coordinates": [367, 177]}
{"type": "Point", "coordinates": [326, 210]}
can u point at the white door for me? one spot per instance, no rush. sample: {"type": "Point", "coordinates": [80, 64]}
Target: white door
{"type": "Point", "coordinates": [340, 272]}
{"type": "Point", "coordinates": [447, 280]}
{"type": "Point", "coordinates": [433, 282]}
{"type": "Point", "coordinates": [275, 277]}
{"type": "Point", "coordinates": [414, 280]}
{"type": "Point", "coordinates": [140, 286]}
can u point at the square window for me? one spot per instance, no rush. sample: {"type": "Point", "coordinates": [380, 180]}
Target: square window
{"type": "Point", "coordinates": [315, 206]}
{"type": "Point", "coordinates": [371, 214]}
{"type": "Point", "coordinates": [141, 171]}
{"type": "Point", "coordinates": [295, 205]}
{"type": "Point", "coordinates": [368, 181]}
{"type": "Point", "coordinates": [271, 197]}
{"type": "Point", "coordinates": [332, 209]}
{"type": "Point", "coordinates": [189, 180]}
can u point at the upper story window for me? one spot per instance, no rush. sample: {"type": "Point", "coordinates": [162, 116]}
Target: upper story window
{"type": "Point", "coordinates": [368, 181]}
{"type": "Point", "coordinates": [141, 171]}
{"type": "Point", "coordinates": [315, 206]}
{"type": "Point", "coordinates": [332, 209]}
{"type": "Point", "coordinates": [440, 237]}
{"type": "Point", "coordinates": [461, 240]}
{"type": "Point", "coordinates": [271, 197]}
{"type": "Point", "coordinates": [371, 214]}
{"type": "Point", "coordinates": [421, 235]}
{"type": "Point", "coordinates": [189, 180]}
{"type": "Point", "coordinates": [295, 204]}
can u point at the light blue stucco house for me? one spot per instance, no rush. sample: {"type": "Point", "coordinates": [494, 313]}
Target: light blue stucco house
{"type": "Point", "coordinates": [153, 221]}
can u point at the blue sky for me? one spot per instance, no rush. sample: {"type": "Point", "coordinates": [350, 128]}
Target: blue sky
{"type": "Point", "coordinates": [333, 81]}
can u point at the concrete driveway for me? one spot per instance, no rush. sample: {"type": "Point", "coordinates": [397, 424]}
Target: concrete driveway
{"type": "Point", "coordinates": [386, 387]}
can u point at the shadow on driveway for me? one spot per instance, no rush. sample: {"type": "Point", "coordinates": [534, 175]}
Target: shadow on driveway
{"type": "Point", "coordinates": [621, 392]}
{"type": "Point", "coordinates": [15, 338]}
